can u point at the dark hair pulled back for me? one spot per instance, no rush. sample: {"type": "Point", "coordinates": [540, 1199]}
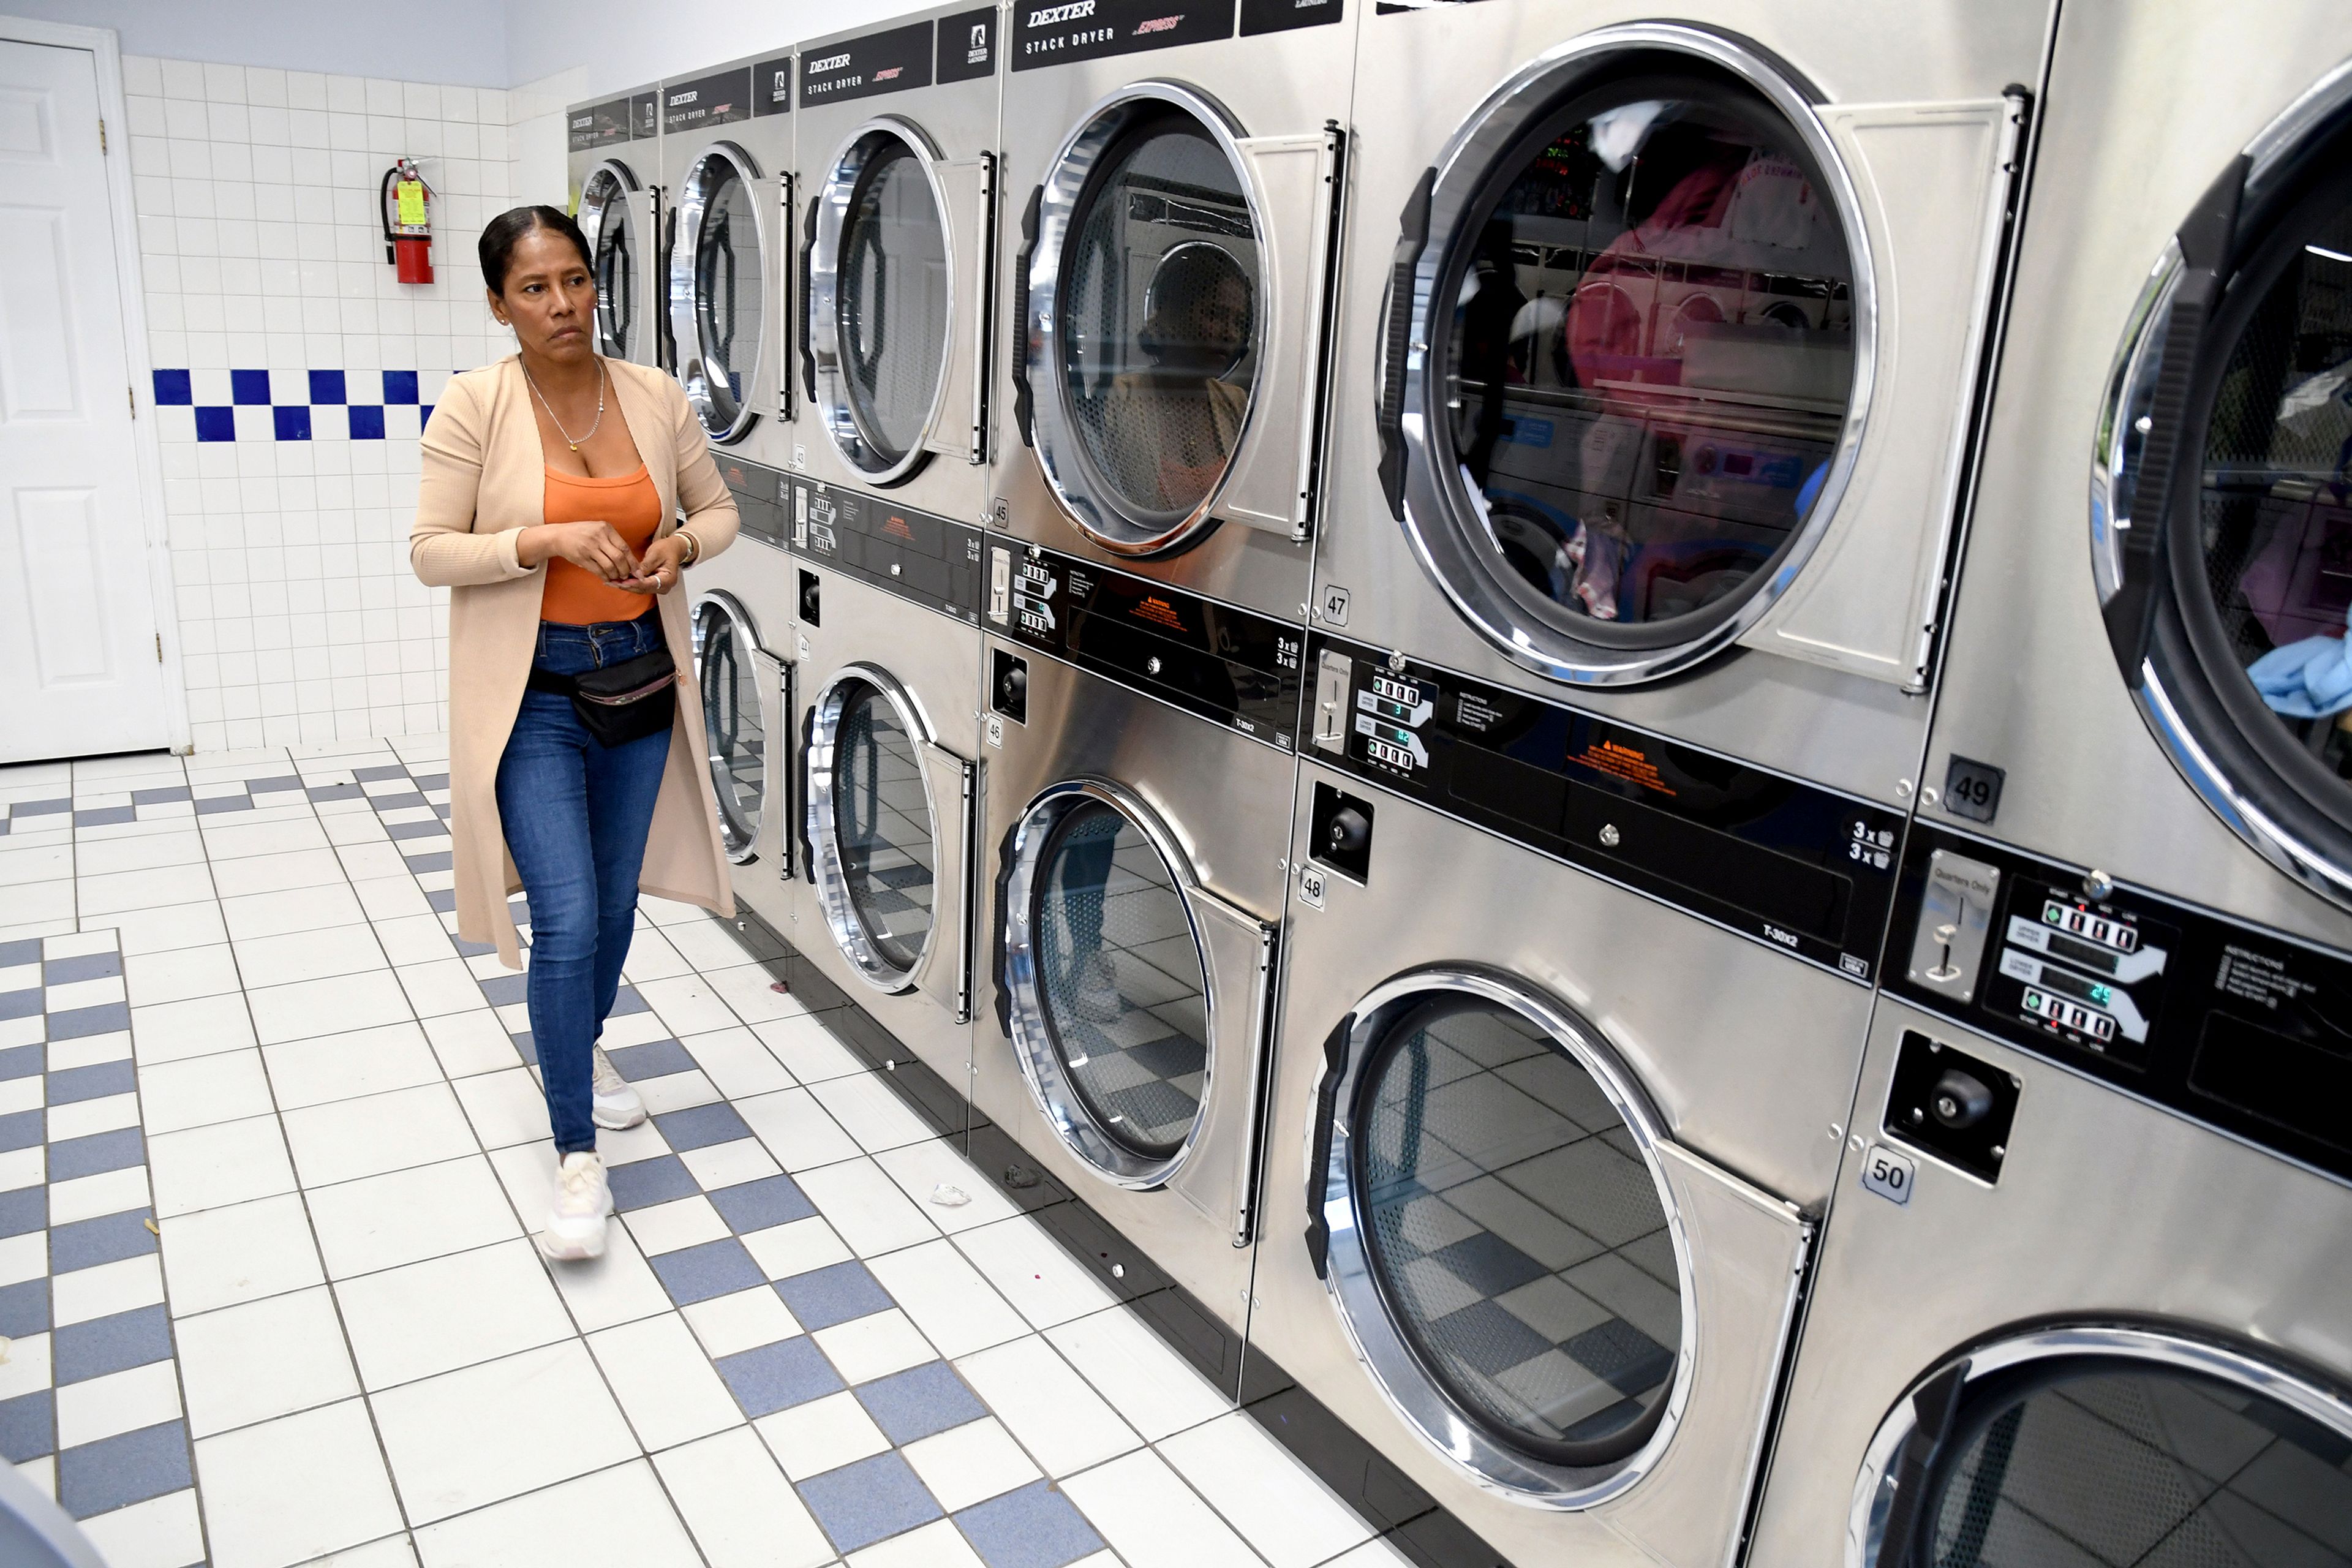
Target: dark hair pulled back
{"type": "Point", "coordinates": [504, 232]}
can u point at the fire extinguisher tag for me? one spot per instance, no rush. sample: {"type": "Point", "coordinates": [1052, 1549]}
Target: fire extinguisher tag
{"type": "Point", "coordinates": [410, 194]}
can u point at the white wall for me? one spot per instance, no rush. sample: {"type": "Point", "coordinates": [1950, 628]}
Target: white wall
{"type": "Point", "coordinates": [460, 41]}
{"type": "Point", "coordinates": [625, 43]}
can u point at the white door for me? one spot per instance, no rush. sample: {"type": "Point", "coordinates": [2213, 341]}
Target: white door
{"type": "Point", "coordinates": [80, 670]}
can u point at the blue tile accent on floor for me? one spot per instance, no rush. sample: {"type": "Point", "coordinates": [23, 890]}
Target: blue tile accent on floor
{"type": "Point", "coordinates": [80, 1352]}
{"type": "Point", "coordinates": [29, 1426]}
{"type": "Point", "coordinates": [81, 966]}
{"type": "Point", "coordinates": [24, 1210]}
{"type": "Point", "coordinates": [115, 1472]}
{"type": "Point", "coordinates": [779, 1376]}
{"type": "Point", "coordinates": [98, 1152]}
{"type": "Point", "coordinates": [414, 829]}
{"type": "Point", "coordinates": [25, 1308]}
{"type": "Point", "coordinates": [84, 1022]}
{"type": "Point", "coordinates": [626, 1001]}
{"type": "Point", "coordinates": [169, 795]}
{"type": "Point", "coordinates": [443, 900]}
{"type": "Point", "coordinates": [20, 1129]}
{"type": "Point", "coordinates": [919, 1401]}
{"type": "Point", "coordinates": [699, 1126]}
{"type": "Point", "coordinates": [86, 1243]}
{"type": "Point", "coordinates": [714, 1269]}
{"type": "Point", "coordinates": [438, 860]}
{"type": "Point", "coordinates": [332, 791]}
{"type": "Point", "coordinates": [755, 1205]}
{"type": "Point", "coordinates": [654, 1058]}
{"type": "Point", "coordinates": [824, 1297]}
{"type": "Point", "coordinates": [1036, 1527]}
{"type": "Point", "coordinates": [504, 990]}
{"type": "Point", "coordinates": [97, 1080]}
{"type": "Point", "coordinates": [868, 1501]}
{"type": "Point", "coordinates": [641, 1184]}
{"type": "Point", "coordinates": [249, 388]}
{"type": "Point", "coordinates": [172, 389]}
{"type": "Point", "coordinates": [14, 955]}
{"type": "Point", "coordinates": [104, 816]}
{"type": "Point", "coordinates": [20, 1004]}
{"type": "Point", "coordinates": [21, 1061]}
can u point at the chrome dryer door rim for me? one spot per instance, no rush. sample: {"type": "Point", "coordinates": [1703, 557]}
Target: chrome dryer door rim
{"type": "Point", "coordinates": [1441, 523]}
{"type": "Point", "coordinates": [826, 872]}
{"type": "Point", "coordinates": [608, 196]}
{"type": "Point", "coordinates": [737, 834]}
{"type": "Point", "coordinates": [706, 175]}
{"type": "Point", "coordinates": [1351, 1276]}
{"type": "Point", "coordinates": [844, 422]}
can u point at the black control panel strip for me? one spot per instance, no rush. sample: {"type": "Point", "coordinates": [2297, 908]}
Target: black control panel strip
{"type": "Point", "coordinates": [928, 560]}
{"type": "Point", "coordinates": [2230, 1024]}
{"type": "Point", "coordinates": [1239, 668]}
{"type": "Point", "coordinates": [1803, 868]}
{"type": "Point", "coordinates": [763, 499]}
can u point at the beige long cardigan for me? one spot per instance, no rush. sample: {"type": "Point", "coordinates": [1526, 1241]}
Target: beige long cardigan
{"type": "Point", "coordinates": [484, 479]}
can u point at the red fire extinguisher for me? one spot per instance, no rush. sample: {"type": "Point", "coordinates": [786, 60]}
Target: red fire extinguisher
{"type": "Point", "coordinates": [407, 224]}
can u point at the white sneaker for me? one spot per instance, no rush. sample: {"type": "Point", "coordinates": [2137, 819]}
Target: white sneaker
{"type": "Point", "coordinates": [575, 1226]}
{"type": "Point", "coordinates": [615, 1104]}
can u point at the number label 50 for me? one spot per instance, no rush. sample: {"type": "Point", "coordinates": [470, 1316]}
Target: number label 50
{"type": "Point", "coordinates": [1888, 1174]}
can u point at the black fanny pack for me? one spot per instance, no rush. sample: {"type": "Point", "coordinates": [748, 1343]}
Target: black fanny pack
{"type": "Point", "coordinates": [622, 702]}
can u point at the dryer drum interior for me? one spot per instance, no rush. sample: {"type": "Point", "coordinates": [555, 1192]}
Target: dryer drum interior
{"type": "Point", "coordinates": [719, 289]}
{"type": "Point", "coordinates": [2241, 482]}
{"type": "Point", "coordinates": [880, 296]}
{"type": "Point", "coordinates": [1112, 1004]}
{"type": "Point", "coordinates": [1505, 1254]}
{"type": "Point", "coordinates": [2095, 1446]}
{"type": "Point", "coordinates": [616, 252]}
{"type": "Point", "coordinates": [733, 737]}
{"type": "Point", "coordinates": [873, 825]}
{"type": "Point", "coordinates": [1157, 313]}
{"type": "Point", "coordinates": [1626, 368]}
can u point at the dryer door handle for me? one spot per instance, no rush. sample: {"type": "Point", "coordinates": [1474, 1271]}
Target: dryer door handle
{"type": "Point", "coordinates": [1396, 339]}
{"type": "Point", "coordinates": [808, 329]}
{"type": "Point", "coordinates": [1318, 1147]}
{"type": "Point", "coordinates": [2207, 241]}
{"type": "Point", "coordinates": [1017, 357]}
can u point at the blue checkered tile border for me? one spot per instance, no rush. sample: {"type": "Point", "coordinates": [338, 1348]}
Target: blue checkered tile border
{"type": "Point", "coordinates": [298, 404]}
{"type": "Point", "coordinates": [89, 1387]}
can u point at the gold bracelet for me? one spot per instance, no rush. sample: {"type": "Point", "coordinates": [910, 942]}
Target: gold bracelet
{"type": "Point", "coordinates": [693, 548]}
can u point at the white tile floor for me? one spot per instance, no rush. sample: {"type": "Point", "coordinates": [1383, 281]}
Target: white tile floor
{"type": "Point", "coordinates": [268, 1287]}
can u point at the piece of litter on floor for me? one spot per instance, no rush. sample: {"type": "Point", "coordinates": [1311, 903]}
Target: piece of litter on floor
{"type": "Point", "coordinates": [151, 1230]}
{"type": "Point", "coordinates": [6, 1345]}
{"type": "Point", "coordinates": [948, 1195]}
{"type": "Point", "coordinates": [780, 988]}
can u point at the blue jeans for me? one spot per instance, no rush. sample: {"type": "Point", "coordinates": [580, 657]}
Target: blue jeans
{"type": "Point", "coordinates": [576, 814]}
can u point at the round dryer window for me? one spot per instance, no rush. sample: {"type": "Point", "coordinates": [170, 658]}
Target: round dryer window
{"type": "Point", "coordinates": [879, 293]}
{"type": "Point", "coordinates": [1109, 987]}
{"type": "Point", "coordinates": [733, 736]}
{"type": "Point", "coordinates": [608, 218]}
{"type": "Point", "coordinates": [1499, 1242]}
{"type": "Point", "coordinates": [2093, 1445]}
{"type": "Point", "coordinates": [2243, 489]}
{"type": "Point", "coordinates": [1645, 323]}
{"type": "Point", "coordinates": [872, 823]}
{"type": "Point", "coordinates": [718, 290]}
{"type": "Point", "coordinates": [1148, 267]}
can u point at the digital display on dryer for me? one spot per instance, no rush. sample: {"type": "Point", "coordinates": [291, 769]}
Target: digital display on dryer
{"type": "Point", "coordinates": [931, 561]}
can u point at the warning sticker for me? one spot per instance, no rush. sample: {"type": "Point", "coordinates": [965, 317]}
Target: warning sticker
{"type": "Point", "coordinates": [1620, 761]}
{"type": "Point", "coordinates": [1160, 612]}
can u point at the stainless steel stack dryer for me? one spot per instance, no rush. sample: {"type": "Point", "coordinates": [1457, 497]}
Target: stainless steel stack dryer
{"type": "Point", "coordinates": [615, 167]}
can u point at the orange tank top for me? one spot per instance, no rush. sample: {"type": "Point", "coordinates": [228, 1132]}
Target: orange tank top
{"type": "Point", "coordinates": [631, 504]}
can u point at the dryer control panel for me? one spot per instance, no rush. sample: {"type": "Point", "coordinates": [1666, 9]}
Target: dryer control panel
{"type": "Point", "coordinates": [763, 499]}
{"type": "Point", "coordinates": [931, 561]}
{"type": "Point", "coordinates": [1808, 870]}
{"type": "Point", "coordinates": [2228, 1022]}
{"type": "Point", "coordinates": [1220, 662]}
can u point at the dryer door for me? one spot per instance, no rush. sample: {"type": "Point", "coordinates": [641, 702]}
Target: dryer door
{"type": "Point", "coordinates": [1175, 290]}
{"type": "Point", "coordinates": [891, 826]}
{"type": "Point", "coordinates": [1629, 354]}
{"type": "Point", "coordinates": [735, 719]}
{"type": "Point", "coordinates": [2073, 1447]}
{"type": "Point", "coordinates": [615, 215]}
{"type": "Point", "coordinates": [1136, 999]}
{"type": "Point", "coordinates": [718, 291]}
{"type": "Point", "coordinates": [2222, 500]}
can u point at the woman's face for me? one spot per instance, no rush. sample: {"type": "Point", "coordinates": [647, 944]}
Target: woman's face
{"type": "Point", "coordinates": [549, 299]}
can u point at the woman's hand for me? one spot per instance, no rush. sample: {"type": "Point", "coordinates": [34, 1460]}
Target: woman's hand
{"type": "Point", "coordinates": [662, 568]}
{"type": "Point", "coordinates": [591, 546]}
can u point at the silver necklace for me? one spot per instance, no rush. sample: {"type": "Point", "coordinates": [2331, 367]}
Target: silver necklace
{"type": "Point", "coordinates": [551, 407]}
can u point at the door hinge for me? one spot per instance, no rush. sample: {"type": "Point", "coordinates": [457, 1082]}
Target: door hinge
{"type": "Point", "coordinates": [101, 138]}
{"type": "Point", "coordinates": [132, 392]}
{"type": "Point", "coordinates": [159, 647]}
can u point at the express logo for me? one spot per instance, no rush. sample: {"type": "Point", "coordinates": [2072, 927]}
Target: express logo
{"type": "Point", "coordinates": [887, 74]}
{"type": "Point", "coordinates": [1158, 24]}
{"type": "Point", "coordinates": [1053, 13]}
{"type": "Point", "coordinates": [829, 63]}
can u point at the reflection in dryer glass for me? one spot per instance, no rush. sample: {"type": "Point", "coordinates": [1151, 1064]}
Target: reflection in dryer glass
{"type": "Point", "coordinates": [893, 302]}
{"type": "Point", "coordinates": [2276, 521]}
{"type": "Point", "coordinates": [1516, 1233]}
{"type": "Point", "coordinates": [2109, 1464]}
{"type": "Point", "coordinates": [1651, 350]}
{"type": "Point", "coordinates": [731, 734]}
{"type": "Point", "coordinates": [729, 279]}
{"type": "Point", "coordinates": [1122, 982]}
{"type": "Point", "coordinates": [1159, 308]}
{"type": "Point", "coordinates": [883, 823]}
{"type": "Point", "coordinates": [614, 264]}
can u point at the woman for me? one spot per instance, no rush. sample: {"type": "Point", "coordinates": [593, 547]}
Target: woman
{"type": "Point", "coordinates": [552, 481]}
